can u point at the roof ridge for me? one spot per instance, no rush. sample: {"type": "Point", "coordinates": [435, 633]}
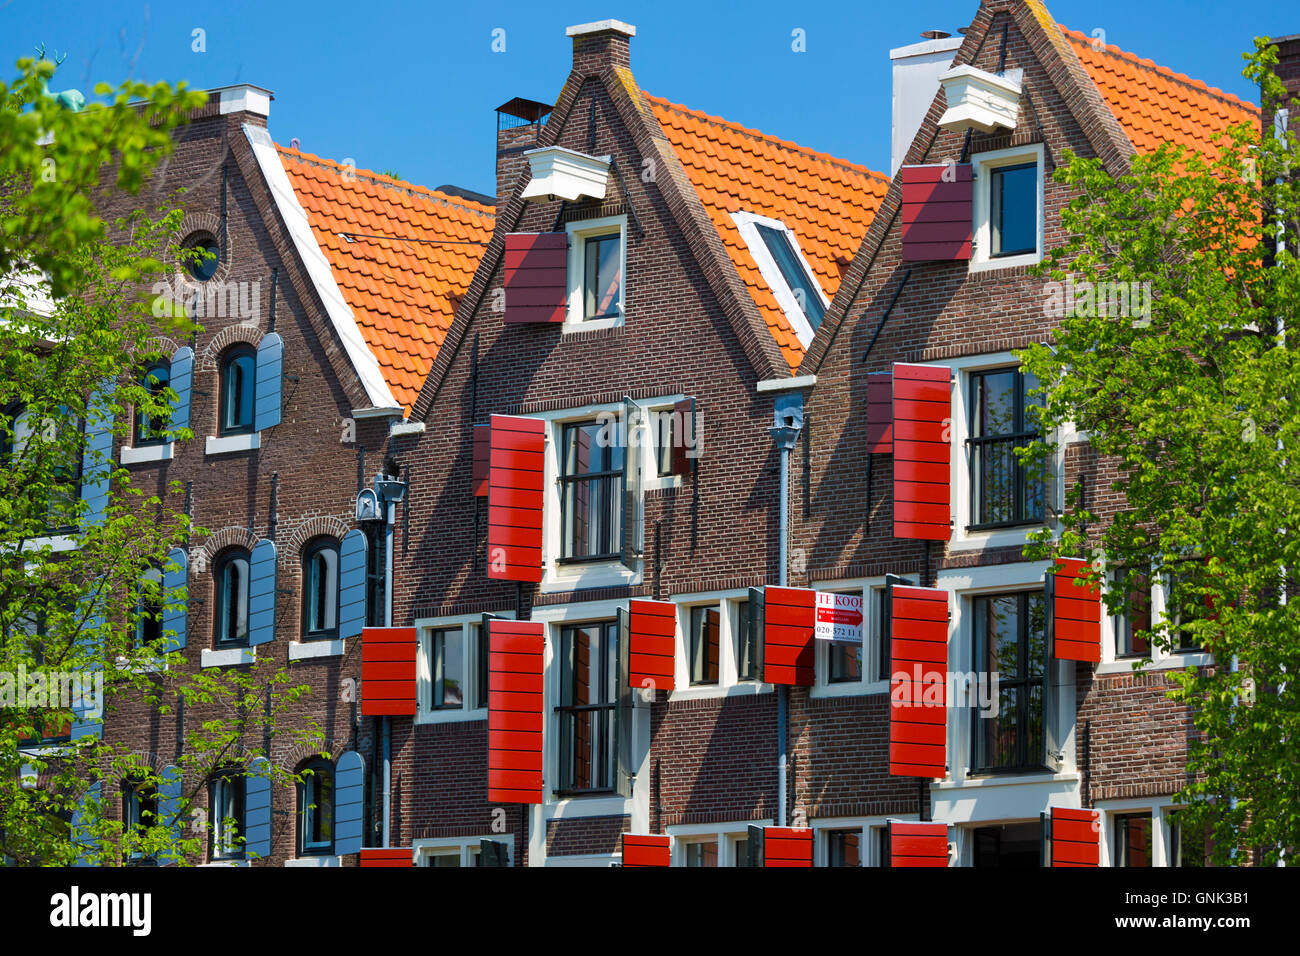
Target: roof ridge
{"type": "Point", "coordinates": [1167, 72]}
{"type": "Point", "coordinates": [759, 134]}
{"type": "Point", "coordinates": [390, 182]}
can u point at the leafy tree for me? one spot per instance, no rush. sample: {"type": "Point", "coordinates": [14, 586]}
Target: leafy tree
{"type": "Point", "coordinates": [1193, 399]}
{"type": "Point", "coordinates": [81, 549]}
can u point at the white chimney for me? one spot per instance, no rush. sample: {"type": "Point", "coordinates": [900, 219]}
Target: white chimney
{"type": "Point", "coordinates": [916, 79]}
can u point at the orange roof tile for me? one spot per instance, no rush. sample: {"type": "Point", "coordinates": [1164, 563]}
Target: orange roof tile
{"type": "Point", "coordinates": [403, 294]}
{"type": "Point", "coordinates": [1154, 104]}
{"type": "Point", "coordinates": [827, 203]}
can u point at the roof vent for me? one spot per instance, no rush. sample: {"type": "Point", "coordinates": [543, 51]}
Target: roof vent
{"type": "Point", "coordinates": [980, 100]}
{"type": "Point", "coordinates": [560, 173]}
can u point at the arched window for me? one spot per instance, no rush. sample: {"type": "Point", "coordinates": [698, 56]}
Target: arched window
{"type": "Point", "coordinates": [149, 429]}
{"type": "Point", "coordinates": [316, 809]}
{"type": "Point", "coordinates": [226, 803]}
{"type": "Point", "coordinates": [148, 609]}
{"type": "Point", "coordinates": [238, 367]}
{"type": "Point", "coordinates": [231, 572]}
{"type": "Point", "coordinates": [320, 578]}
{"type": "Point", "coordinates": [139, 812]}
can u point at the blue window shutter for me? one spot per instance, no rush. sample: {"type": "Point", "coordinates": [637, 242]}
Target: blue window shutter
{"type": "Point", "coordinates": [169, 805]}
{"type": "Point", "coordinates": [173, 618]}
{"type": "Point", "coordinates": [352, 583]}
{"type": "Point", "coordinates": [86, 720]}
{"type": "Point", "coordinates": [266, 390]}
{"type": "Point", "coordinates": [261, 594]}
{"type": "Point", "coordinates": [257, 808]}
{"type": "Point", "coordinates": [349, 801]}
{"type": "Point", "coordinates": [97, 458]}
{"type": "Point", "coordinates": [81, 820]}
{"type": "Point", "coordinates": [182, 383]}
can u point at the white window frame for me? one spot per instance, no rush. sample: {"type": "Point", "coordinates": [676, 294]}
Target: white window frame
{"type": "Point", "coordinates": [465, 848]}
{"type": "Point", "coordinates": [725, 834]}
{"type": "Point", "coordinates": [424, 713]}
{"type": "Point", "coordinates": [576, 234]}
{"type": "Point", "coordinates": [747, 223]}
{"type": "Point", "coordinates": [871, 682]}
{"type": "Point", "coordinates": [729, 683]}
{"type": "Point", "coordinates": [1161, 810]}
{"type": "Point", "coordinates": [1159, 658]}
{"type": "Point", "coordinates": [984, 164]}
{"type": "Point", "coordinates": [867, 847]}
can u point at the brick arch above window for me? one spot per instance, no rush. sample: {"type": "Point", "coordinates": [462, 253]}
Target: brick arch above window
{"type": "Point", "coordinates": [209, 358]}
{"type": "Point", "coordinates": [299, 754]}
{"type": "Point", "coordinates": [201, 558]}
{"type": "Point", "coordinates": [322, 526]}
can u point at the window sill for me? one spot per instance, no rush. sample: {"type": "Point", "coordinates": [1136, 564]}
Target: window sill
{"type": "Point", "coordinates": [55, 542]}
{"type": "Point", "coordinates": [230, 657]}
{"type": "Point", "coordinates": [1006, 780]}
{"type": "Point", "coordinates": [595, 805]}
{"type": "Point", "coordinates": [148, 454]}
{"type": "Point", "coordinates": [154, 666]}
{"type": "Point", "coordinates": [590, 325]}
{"type": "Point", "coordinates": [225, 863]}
{"type": "Point", "coordinates": [712, 691]}
{"type": "Point", "coordinates": [450, 715]}
{"type": "Point", "coordinates": [1007, 262]}
{"type": "Point", "coordinates": [1000, 538]}
{"type": "Point", "coordinates": [600, 574]}
{"type": "Point", "coordinates": [850, 688]}
{"type": "Point", "coordinates": [1173, 662]}
{"type": "Point", "coordinates": [232, 443]}
{"type": "Point", "coordinates": [309, 861]}
{"type": "Point", "coordinates": [307, 650]}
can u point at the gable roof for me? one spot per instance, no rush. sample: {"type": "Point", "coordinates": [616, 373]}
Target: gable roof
{"type": "Point", "coordinates": [828, 203]}
{"type": "Point", "coordinates": [1154, 104]}
{"type": "Point", "coordinates": [402, 293]}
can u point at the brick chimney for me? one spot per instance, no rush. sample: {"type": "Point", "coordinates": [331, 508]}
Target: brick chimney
{"type": "Point", "coordinates": [519, 127]}
{"type": "Point", "coordinates": [1288, 67]}
{"type": "Point", "coordinates": [600, 45]}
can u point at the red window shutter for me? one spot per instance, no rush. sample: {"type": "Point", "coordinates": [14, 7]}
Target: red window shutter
{"type": "Point", "coordinates": [516, 466]}
{"type": "Point", "coordinates": [918, 844]}
{"type": "Point", "coordinates": [482, 459]}
{"type": "Point", "coordinates": [787, 846]}
{"type": "Point", "coordinates": [918, 701]}
{"type": "Point", "coordinates": [536, 276]}
{"type": "Point", "coordinates": [388, 671]}
{"type": "Point", "coordinates": [922, 422]}
{"type": "Point", "coordinates": [1076, 613]}
{"type": "Point", "coordinates": [387, 856]}
{"type": "Point", "coordinates": [1076, 837]}
{"type": "Point", "coordinates": [652, 654]}
{"type": "Point", "coordinates": [515, 711]}
{"type": "Point", "coordinates": [685, 450]}
{"type": "Point", "coordinates": [938, 212]}
{"type": "Point", "coordinates": [790, 617]}
{"type": "Point", "coordinates": [880, 413]}
{"type": "Point", "coordinates": [647, 850]}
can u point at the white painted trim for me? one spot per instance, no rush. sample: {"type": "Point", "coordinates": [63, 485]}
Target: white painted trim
{"type": "Point", "coordinates": [771, 273]}
{"type": "Point", "coordinates": [729, 683]}
{"type": "Point", "coordinates": [867, 849]}
{"type": "Point", "coordinates": [873, 593]}
{"type": "Point", "coordinates": [307, 650]}
{"type": "Point", "coordinates": [1159, 659]}
{"type": "Point", "coordinates": [229, 657]}
{"type": "Point", "coordinates": [466, 845]}
{"type": "Point", "coordinates": [378, 411]}
{"type": "Point", "coordinates": [600, 26]}
{"type": "Point", "coordinates": [245, 99]}
{"type": "Point", "coordinates": [314, 861]}
{"type": "Point", "coordinates": [598, 860]}
{"type": "Point", "coordinates": [560, 173]}
{"type": "Point", "coordinates": [396, 428]}
{"type": "Point", "coordinates": [424, 626]}
{"type": "Point", "coordinates": [55, 542]}
{"type": "Point", "coordinates": [724, 835]}
{"type": "Point", "coordinates": [232, 443]}
{"type": "Point", "coordinates": [318, 268]}
{"type": "Point", "coordinates": [577, 233]}
{"type": "Point", "coordinates": [787, 384]}
{"type": "Point", "coordinates": [983, 163]}
{"type": "Point", "coordinates": [164, 451]}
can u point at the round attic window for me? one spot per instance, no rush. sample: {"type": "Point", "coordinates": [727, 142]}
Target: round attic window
{"type": "Point", "coordinates": [201, 264]}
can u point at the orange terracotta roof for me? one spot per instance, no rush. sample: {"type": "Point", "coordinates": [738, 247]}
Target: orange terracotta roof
{"type": "Point", "coordinates": [402, 294]}
{"type": "Point", "coordinates": [828, 203]}
{"type": "Point", "coordinates": [1154, 104]}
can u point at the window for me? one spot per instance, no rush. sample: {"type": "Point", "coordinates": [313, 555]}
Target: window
{"type": "Point", "coordinates": [845, 662]}
{"type": "Point", "coordinates": [226, 799]}
{"type": "Point", "coordinates": [232, 598]}
{"type": "Point", "coordinates": [150, 431]}
{"type": "Point", "coordinates": [663, 422]}
{"type": "Point", "coordinates": [202, 257]}
{"type": "Point", "coordinates": [1013, 209]}
{"type": "Point", "coordinates": [1186, 847]}
{"type": "Point", "coordinates": [55, 456]}
{"type": "Point", "coordinates": [884, 653]}
{"type": "Point", "coordinates": [376, 573]}
{"type": "Point", "coordinates": [586, 712]}
{"type": "Point", "coordinates": [482, 644]}
{"type": "Point", "coordinates": [316, 809]}
{"type": "Point", "coordinates": [705, 644]}
{"type": "Point", "coordinates": [702, 853]}
{"type": "Point", "coordinates": [238, 370]}
{"type": "Point", "coordinates": [1181, 641]}
{"type": "Point", "coordinates": [794, 272]}
{"type": "Point", "coordinates": [596, 270]}
{"type": "Point", "coordinates": [740, 851]}
{"type": "Point", "coordinates": [26, 635]}
{"type": "Point", "coordinates": [1133, 839]}
{"type": "Point", "coordinates": [139, 813]}
{"type": "Point", "coordinates": [320, 574]}
{"type": "Point", "coordinates": [1133, 623]}
{"type": "Point", "coordinates": [1008, 845]}
{"type": "Point", "coordinates": [449, 857]}
{"type": "Point", "coordinates": [1010, 639]}
{"type": "Point", "coordinates": [148, 610]}
{"type": "Point", "coordinates": [843, 847]}
{"type": "Point", "coordinates": [880, 839]}
{"type": "Point", "coordinates": [591, 499]}
{"type": "Point", "coordinates": [746, 641]}
{"type": "Point", "coordinates": [447, 661]}
{"type": "Point", "coordinates": [1003, 492]}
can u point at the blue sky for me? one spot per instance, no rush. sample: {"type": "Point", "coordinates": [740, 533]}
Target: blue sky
{"type": "Point", "coordinates": [412, 86]}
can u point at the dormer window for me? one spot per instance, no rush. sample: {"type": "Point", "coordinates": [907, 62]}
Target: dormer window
{"type": "Point", "coordinates": [1008, 208]}
{"type": "Point", "coordinates": [597, 260]}
{"type": "Point", "coordinates": [788, 275]}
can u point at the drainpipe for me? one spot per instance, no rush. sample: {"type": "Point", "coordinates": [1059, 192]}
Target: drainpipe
{"type": "Point", "coordinates": [787, 422]}
{"type": "Point", "coordinates": [389, 490]}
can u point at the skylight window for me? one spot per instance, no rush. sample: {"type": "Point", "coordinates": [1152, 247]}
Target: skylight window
{"type": "Point", "coordinates": [786, 272]}
{"type": "Point", "coordinates": [793, 271]}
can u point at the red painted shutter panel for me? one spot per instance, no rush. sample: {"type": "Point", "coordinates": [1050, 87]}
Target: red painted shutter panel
{"type": "Point", "coordinates": [922, 422]}
{"type": "Point", "coordinates": [880, 413]}
{"type": "Point", "coordinates": [918, 844]}
{"type": "Point", "coordinates": [536, 276]}
{"type": "Point", "coordinates": [515, 715]}
{"type": "Point", "coordinates": [653, 652]}
{"type": "Point", "coordinates": [787, 846]}
{"type": "Point", "coordinates": [918, 710]}
{"type": "Point", "coordinates": [1076, 836]}
{"type": "Point", "coordinates": [1076, 613]}
{"type": "Point", "coordinates": [788, 623]}
{"type": "Point", "coordinates": [647, 850]}
{"type": "Point", "coordinates": [388, 671]}
{"type": "Point", "coordinates": [387, 856]}
{"type": "Point", "coordinates": [482, 459]}
{"type": "Point", "coordinates": [516, 470]}
{"type": "Point", "coordinates": [937, 212]}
